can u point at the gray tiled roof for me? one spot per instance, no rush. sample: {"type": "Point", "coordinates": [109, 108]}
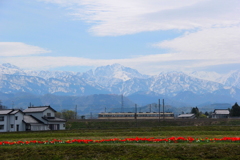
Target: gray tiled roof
{"type": "Point", "coordinates": [15, 111]}
{"type": "Point", "coordinates": [35, 109]}
{"type": "Point", "coordinates": [5, 111]}
{"type": "Point", "coordinates": [54, 119]}
{"type": "Point", "coordinates": [30, 119]}
{"type": "Point", "coordinates": [185, 115]}
{"type": "Point", "coordinates": [221, 111]}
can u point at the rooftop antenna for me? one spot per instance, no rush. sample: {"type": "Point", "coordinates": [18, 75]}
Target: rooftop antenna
{"type": "Point", "coordinates": [12, 104]}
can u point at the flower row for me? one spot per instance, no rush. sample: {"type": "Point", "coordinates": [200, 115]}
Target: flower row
{"type": "Point", "coordinates": [134, 140]}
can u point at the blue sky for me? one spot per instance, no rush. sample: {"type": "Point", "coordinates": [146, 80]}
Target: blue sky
{"type": "Point", "coordinates": [151, 36]}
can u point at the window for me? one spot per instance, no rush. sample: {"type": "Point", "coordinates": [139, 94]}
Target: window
{"type": "Point", "coordinates": [11, 125]}
{"type": "Point", "coordinates": [2, 118]}
{"type": "Point", "coordinates": [64, 125]}
{"type": "Point", "coordinates": [1, 127]}
{"type": "Point", "coordinates": [48, 114]}
{"type": "Point", "coordinates": [16, 118]}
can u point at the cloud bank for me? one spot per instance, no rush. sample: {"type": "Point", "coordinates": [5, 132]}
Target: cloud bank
{"type": "Point", "coordinates": [211, 33]}
{"type": "Point", "coordinates": [114, 17]}
{"type": "Point", "coordinates": [19, 49]}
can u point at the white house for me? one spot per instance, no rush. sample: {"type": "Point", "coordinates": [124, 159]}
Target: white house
{"type": "Point", "coordinates": [220, 113]}
{"type": "Point", "coordinates": [11, 120]}
{"type": "Point", "coordinates": [31, 119]}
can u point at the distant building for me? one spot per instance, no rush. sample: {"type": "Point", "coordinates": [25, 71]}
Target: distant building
{"type": "Point", "coordinates": [220, 113]}
{"type": "Point", "coordinates": [31, 119]}
{"type": "Point", "coordinates": [186, 116]}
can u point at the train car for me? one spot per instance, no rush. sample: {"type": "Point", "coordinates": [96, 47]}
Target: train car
{"type": "Point", "coordinates": [139, 115]}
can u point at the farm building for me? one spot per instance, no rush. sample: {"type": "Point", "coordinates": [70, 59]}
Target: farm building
{"type": "Point", "coordinates": [220, 113]}
{"type": "Point", "coordinates": [31, 119]}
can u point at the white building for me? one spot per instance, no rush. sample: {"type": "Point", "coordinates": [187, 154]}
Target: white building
{"type": "Point", "coordinates": [11, 120]}
{"type": "Point", "coordinates": [220, 113]}
{"type": "Point", "coordinates": [31, 119]}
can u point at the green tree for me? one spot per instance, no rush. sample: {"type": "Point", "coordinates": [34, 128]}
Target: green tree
{"type": "Point", "coordinates": [195, 111]}
{"type": "Point", "coordinates": [58, 114]}
{"type": "Point", "coordinates": [66, 114]}
{"type": "Point", "coordinates": [206, 113]}
{"type": "Point", "coordinates": [235, 110]}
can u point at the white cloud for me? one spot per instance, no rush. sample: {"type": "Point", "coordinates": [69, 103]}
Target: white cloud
{"type": "Point", "coordinates": [19, 49]}
{"type": "Point", "coordinates": [114, 17]}
{"type": "Point", "coordinates": [208, 44]}
{"type": "Point", "coordinates": [213, 38]}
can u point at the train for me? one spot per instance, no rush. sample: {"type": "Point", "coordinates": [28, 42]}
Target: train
{"type": "Point", "coordinates": [138, 115]}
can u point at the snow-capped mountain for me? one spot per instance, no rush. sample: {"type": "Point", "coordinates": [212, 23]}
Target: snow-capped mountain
{"type": "Point", "coordinates": [7, 68]}
{"type": "Point", "coordinates": [231, 79]}
{"type": "Point", "coordinates": [49, 74]}
{"type": "Point", "coordinates": [210, 76]}
{"type": "Point", "coordinates": [117, 79]}
{"type": "Point", "coordinates": [174, 82]}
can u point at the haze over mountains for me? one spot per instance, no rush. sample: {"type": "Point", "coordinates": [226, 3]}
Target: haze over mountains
{"type": "Point", "coordinates": [177, 88]}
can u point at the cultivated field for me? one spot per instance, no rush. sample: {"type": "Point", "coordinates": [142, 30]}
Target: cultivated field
{"type": "Point", "coordinates": [99, 130]}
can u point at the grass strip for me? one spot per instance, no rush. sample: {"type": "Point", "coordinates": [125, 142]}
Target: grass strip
{"type": "Point", "coordinates": [123, 151]}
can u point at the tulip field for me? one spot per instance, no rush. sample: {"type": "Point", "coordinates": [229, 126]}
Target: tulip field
{"type": "Point", "coordinates": [163, 142]}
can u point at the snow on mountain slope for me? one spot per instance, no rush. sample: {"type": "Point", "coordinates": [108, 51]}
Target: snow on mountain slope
{"type": "Point", "coordinates": [115, 79]}
{"type": "Point", "coordinates": [210, 76]}
{"type": "Point", "coordinates": [117, 71]}
{"type": "Point", "coordinates": [111, 75]}
{"type": "Point", "coordinates": [49, 74]}
{"type": "Point", "coordinates": [231, 79]}
{"type": "Point", "coordinates": [7, 68]}
{"type": "Point", "coordinates": [174, 82]}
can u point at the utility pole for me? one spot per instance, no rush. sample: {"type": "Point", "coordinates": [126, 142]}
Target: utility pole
{"type": "Point", "coordinates": [163, 110]}
{"type": "Point", "coordinates": [159, 110]}
{"type": "Point", "coordinates": [122, 103]}
{"type": "Point", "coordinates": [135, 116]}
{"type": "Point", "coordinates": [76, 112]}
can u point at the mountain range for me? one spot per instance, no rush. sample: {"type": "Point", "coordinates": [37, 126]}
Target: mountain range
{"type": "Point", "coordinates": [179, 89]}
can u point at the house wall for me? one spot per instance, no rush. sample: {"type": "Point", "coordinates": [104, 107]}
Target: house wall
{"type": "Point", "coordinates": [5, 123]}
{"type": "Point", "coordinates": [220, 116]}
{"type": "Point", "coordinates": [14, 123]}
{"type": "Point", "coordinates": [62, 125]}
{"type": "Point", "coordinates": [39, 127]}
{"type": "Point", "coordinates": [52, 113]}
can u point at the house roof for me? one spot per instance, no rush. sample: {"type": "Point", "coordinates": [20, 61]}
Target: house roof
{"type": "Point", "coordinates": [221, 111]}
{"type": "Point", "coordinates": [32, 120]}
{"type": "Point", "coordinates": [9, 111]}
{"type": "Point", "coordinates": [54, 119]}
{"type": "Point", "coordinates": [38, 109]}
{"type": "Point", "coordinates": [16, 111]}
{"type": "Point", "coordinates": [186, 115]}
{"type": "Point", "coordinates": [5, 111]}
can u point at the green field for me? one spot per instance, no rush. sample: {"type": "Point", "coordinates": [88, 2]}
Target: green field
{"type": "Point", "coordinates": [98, 130]}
